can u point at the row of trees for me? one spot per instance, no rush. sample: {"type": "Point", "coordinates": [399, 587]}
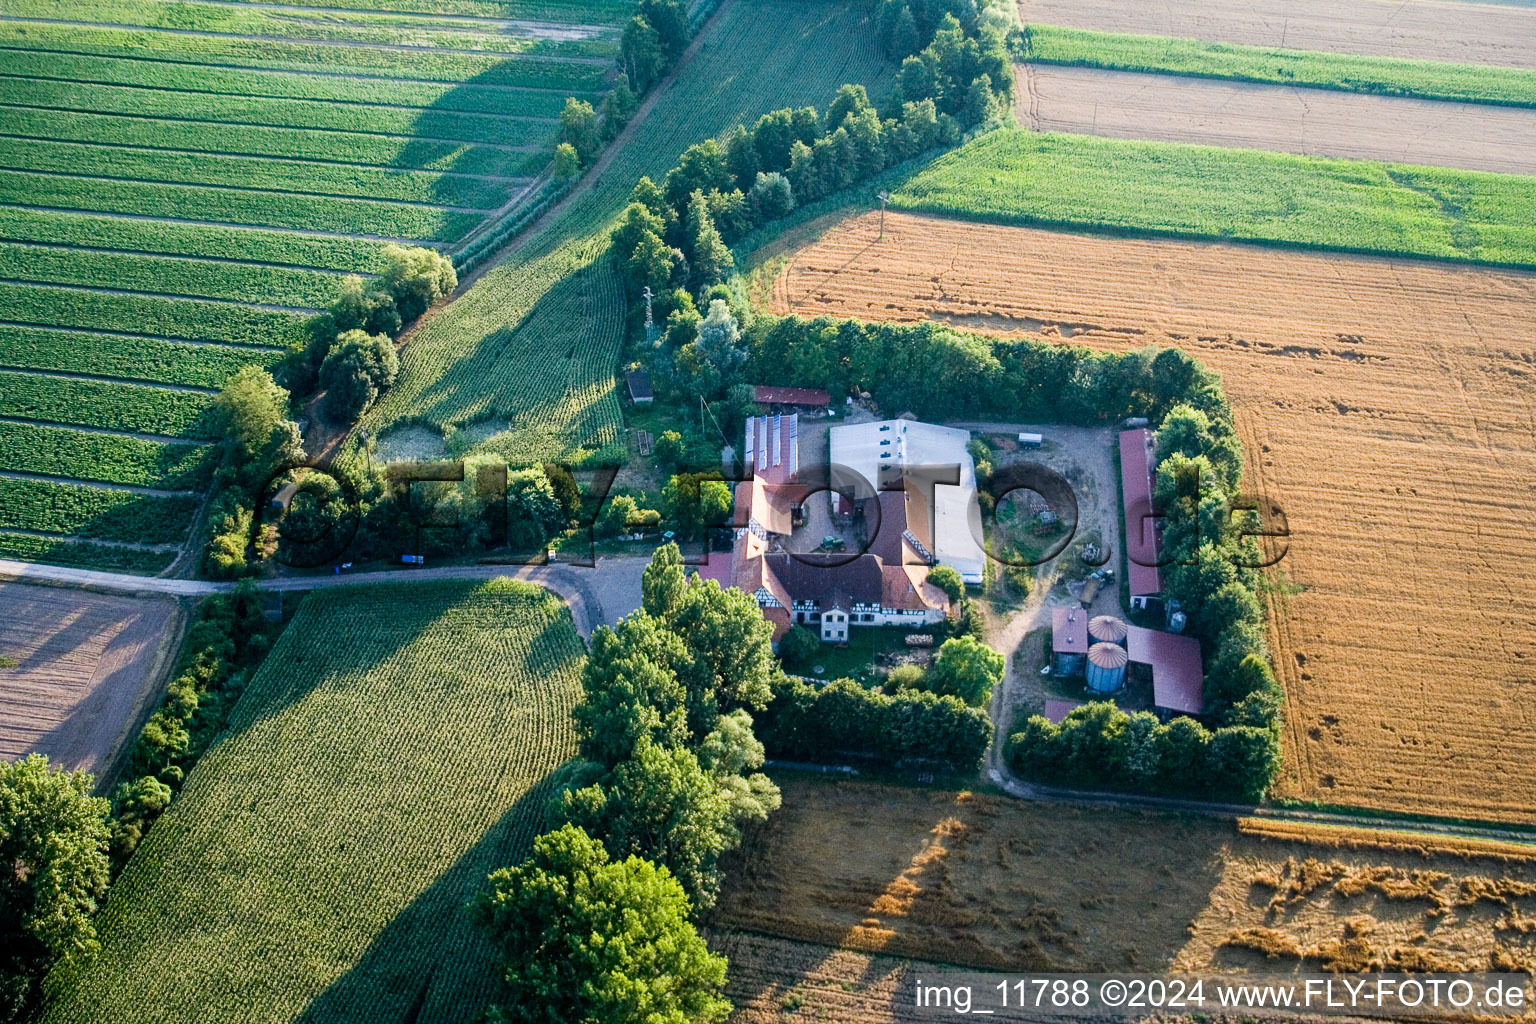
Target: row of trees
{"type": "Point", "coordinates": [595, 926]}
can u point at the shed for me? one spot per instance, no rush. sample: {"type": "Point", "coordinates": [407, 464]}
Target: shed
{"type": "Point", "coordinates": [807, 399]}
{"type": "Point", "coordinates": [1069, 641]}
{"type": "Point", "coordinates": [640, 392]}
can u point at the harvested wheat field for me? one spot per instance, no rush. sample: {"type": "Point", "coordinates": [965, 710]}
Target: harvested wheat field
{"type": "Point", "coordinates": [80, 670]}
{"type": "Point", "coordinates": [1387, 405]}
{"type": "Point", "coordinates": [1315, 122]}
{"type": "Point", "coordinates": [1448, 30]}
{"type": "Point", "coordinates": [989, 882]}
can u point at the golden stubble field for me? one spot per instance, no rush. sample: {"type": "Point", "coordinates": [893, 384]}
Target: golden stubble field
{"type": "Point", "coordinates": [851, 880]}
{"type": "Point", "coordinates": [1389, 406]}
{"type": "Point", "coordinates": [85, 668]}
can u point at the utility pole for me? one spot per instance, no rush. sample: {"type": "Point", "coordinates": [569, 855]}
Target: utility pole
{"type": "Point", "coordinates": [884, 198]}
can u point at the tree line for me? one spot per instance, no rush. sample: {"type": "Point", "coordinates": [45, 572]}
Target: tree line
{"type": "Point", "coordinates": [597, 923]}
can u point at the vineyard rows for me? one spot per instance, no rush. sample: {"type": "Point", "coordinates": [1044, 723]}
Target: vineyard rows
{"type": "Point", "coordinates": [182, 187]}
{"type": "Point", "coordinates": [109, 458]}
{"type": "Point", "coordinates": [282, 285]}
{"type": "Point", "coordinates": [384, 27]}
{"type": "Point", "coordinates": [253, 172]}
{"type": "Point", "coordinates": [211, 240]}
{"type": "Point", "coordinates": [94, 512]}
{"type": "Point", "coordinates": [232, 206]}
{"type": "Point", "coordinates": [1021, 177]}
{"type": "Point", "coordinates": [285, 85]}
{"type": "Point", "coordinates": [113, 355]}
{"type": "Point", "coordinates": [194, 319]}
{"type": "Point", "coordinates": [277, 113]}
{"type": "Point", "coordinates": [84, 554]}
{"type": "Point", "coordinates": [427, 65]}
{"type": "Point", "coordinates": [136, 408]}
{"type": "Point", "coordinates": [408, 743]}
{"type": "Point", "coordinates": [290, 143]}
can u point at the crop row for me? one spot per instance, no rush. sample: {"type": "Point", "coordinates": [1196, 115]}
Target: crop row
{"type": "Point", "coordinates": [111, 355]}
{"type": "Point", "coordinates": [99, 513]}
{"type": "Point", "coordinates": [84, 554]}
{"type": "Point", "coordinates": [236, 282]}
{"type": "Point", "coordinates": [210, 240]}
{"type": "Point", "coordinates": [59, 451]}
{"type": "Point", "coordinates": [382, 27]}
{"type": "Point", "coordinates": [113, 405]}
{"type": "Point", "coordinates": [427, 65]}
{"type": "Point", "coordinates": [126, 70]}
{"type": "Point", "coordinates": [253, 172]}
{"type": "Point", "coordinates": [251, 140]}
{"type": "Point", "coordinates": [462, 691]}
{"type": "Point", "coordinates": [1388, 76]}
{"type": "Point", "coordinates": [589, 12]}
{"type": "Point", "coordinates": [1165, 188]}
{"type": "Point", "coordinates": [192, 319]}
{"type": "Point", "coordinates": [278, 113]}
{"type": "Point", "coordinates": [232, 206]}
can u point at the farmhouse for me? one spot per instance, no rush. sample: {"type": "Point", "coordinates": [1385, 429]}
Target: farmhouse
{"type": "Point", "coordinates": [1141, 538]}
{"type": "Point", "coordinates": [885, 585]}
{"type": "Point", "coordinates": [932, 463]}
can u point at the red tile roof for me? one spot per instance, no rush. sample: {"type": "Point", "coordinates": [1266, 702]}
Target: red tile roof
{"type": "Point", "coordinates": [1176, 668]}
{"type": "Point", "coordinates": [1140, 530]}
{"type": "Point", "coordinates": [1056, 710]}
{"type": "Point", "coordinates": [1069, 630]}
{"type": "Point", "coordinates": [767, 395]}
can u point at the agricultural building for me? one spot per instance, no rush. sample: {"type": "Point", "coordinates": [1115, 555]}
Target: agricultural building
{"type": "Point", "coordinates": [1106, 629]}
{"type": "Point", "coordinates": [1069, 641]}
{"type": "Point", "coordinates": [1176, 668]}
{"type": "Point", "coordinates": [1141, 539]}
{"type": "Point", "coordinates": [639, 383]}
{"type": "Point", "coordinates": [1056, 710]}
{"type": "Point", "coordinates": [884, 585]}
{"type": "Point", "coordinates": [1105, 671]}
{"type": "Point", "coordinates": [811, 401]}
{"type": "Point", "coordinates": [932, 465]}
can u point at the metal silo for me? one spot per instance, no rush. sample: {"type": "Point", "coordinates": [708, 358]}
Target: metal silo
{"type": "Point", "coordinates": [1106, 667]}
{"type": "Point", "coordinates": [1106, 629]}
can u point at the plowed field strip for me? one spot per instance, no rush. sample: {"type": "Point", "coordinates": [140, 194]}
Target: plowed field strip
{"type": "Point", "coordinates": [1316, 122]}
{"type": "Point", "coordinates": [1387, 405]}
{"type": "Point", "coordinates": [1470, 33]}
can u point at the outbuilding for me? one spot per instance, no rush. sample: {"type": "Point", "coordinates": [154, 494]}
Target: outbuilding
{"type": "Point", "coordinates": [1069, 641]}
{"type": "Point", "coordinates": [640, 392]}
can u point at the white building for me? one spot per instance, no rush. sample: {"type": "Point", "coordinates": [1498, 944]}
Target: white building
{"type": "Point", "coordinates": [931, 463]}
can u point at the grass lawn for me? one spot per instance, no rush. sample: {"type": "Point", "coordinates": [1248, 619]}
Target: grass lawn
{"type": "Point", "coordinates": [859, 658]}
{"type": "Point", "coordinates": [1388, 76]}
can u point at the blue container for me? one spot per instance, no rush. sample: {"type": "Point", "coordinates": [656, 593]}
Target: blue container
{"type": "Point", "coordinates": [1106, 667]}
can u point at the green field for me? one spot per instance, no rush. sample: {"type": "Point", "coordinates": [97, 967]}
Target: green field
{"type": "Point", "coordinates": [182, 186]}
{"type": "Point", "coordinates": [527, 356]}
{"type": "Point", "coordinates": [1163, 188]}
{"type": "Point", "coordinates": [1387, 76]}
{"type": "Point", "coordinates": [387, 756]}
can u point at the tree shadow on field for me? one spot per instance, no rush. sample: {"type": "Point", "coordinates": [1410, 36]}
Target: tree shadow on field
{"type": "Point", "coordinates": [431, 963]}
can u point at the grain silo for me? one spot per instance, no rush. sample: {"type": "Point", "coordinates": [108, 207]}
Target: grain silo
{"type": "Point", "coordinates": [1106, 667]}
{"type": "Point", "coordinates": [1106, 629]}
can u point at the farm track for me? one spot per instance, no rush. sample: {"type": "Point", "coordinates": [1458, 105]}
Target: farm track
{"type": "Point", "coordinates": [1379, 400]}
{"type": "Point", "coordinates": [1293, 119]}
{"type": "Point", "coordinates": [352, 44]}
{"type": "Point", "coordinates": [1455, 32]}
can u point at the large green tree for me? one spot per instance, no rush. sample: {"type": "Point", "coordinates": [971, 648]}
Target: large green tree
{"type": "Point", "coordinates": [966, 668]}
{"type": "Point", "coordinates": [586, 939]}
{"type": "Point", "coordinates": [53, 845]}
